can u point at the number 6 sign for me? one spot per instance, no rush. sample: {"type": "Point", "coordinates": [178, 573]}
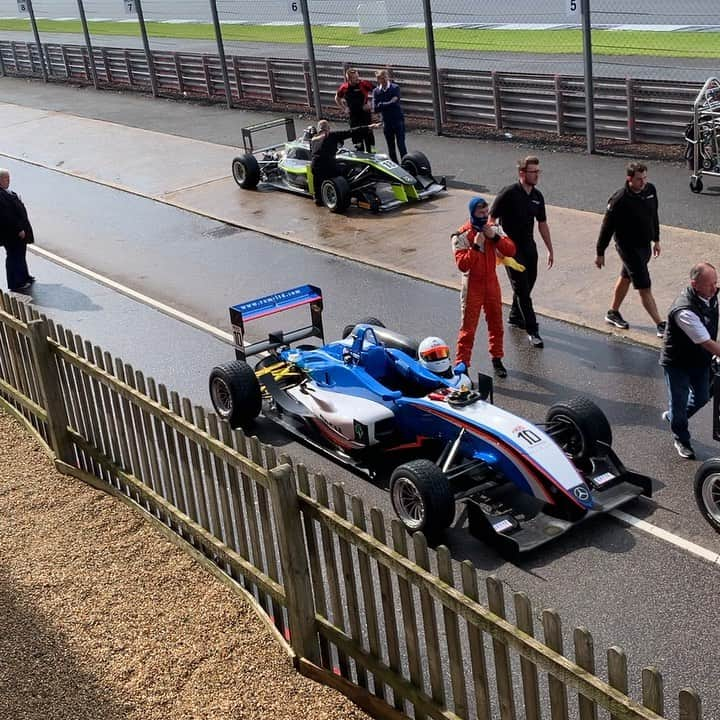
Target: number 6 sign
{"type": "Point", "coordinates": [129, 6]}
{"type": "Point", "coordinates": [22, 6]}
{"type": "Point", "coordinates": [294, 6]}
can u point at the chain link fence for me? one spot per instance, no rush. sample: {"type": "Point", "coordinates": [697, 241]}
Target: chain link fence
{"type": "Point", "coordinates": [518, 65]}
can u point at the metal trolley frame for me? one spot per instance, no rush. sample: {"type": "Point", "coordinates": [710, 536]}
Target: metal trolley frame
{"type": "Point", "coordinates": [703, 135]}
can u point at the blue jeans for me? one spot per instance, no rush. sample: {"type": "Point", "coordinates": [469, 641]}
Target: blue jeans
{"type": "Point", "coordinates": [688, 391]}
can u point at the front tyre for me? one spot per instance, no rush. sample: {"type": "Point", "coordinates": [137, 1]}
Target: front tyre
{"type": "Point", "coordinates": [235, 393]}
{"type": "Point", "coordinates": [365, 321]}
{"type": "Point", "coordinates": [422, 497]}
{"type": "Point", "coordinates": [707, 491]}
{"type": "Point", "coordinates": [577, 425]}
{"type": "Point", "coordinates": [336, 194]}
{"type": "Point", "coordinates": [246, 171]}
{"type": "Point", "coordinates": [416, 163]}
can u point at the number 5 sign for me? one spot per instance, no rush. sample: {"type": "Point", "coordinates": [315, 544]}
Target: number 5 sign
{"type": "Point", "coordinates": [572, 9]}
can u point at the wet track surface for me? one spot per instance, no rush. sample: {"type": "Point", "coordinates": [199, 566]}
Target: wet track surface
{"type": "Point", "coordinates": [628, 588]}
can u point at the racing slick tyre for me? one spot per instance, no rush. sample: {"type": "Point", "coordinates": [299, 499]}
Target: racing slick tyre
{"type": "Point", "coordinates": [365, 321]}
{"type": "Point", "coordinates": [696, 185]}
{"type": "Point", "coordinates": [235, 393]}
{"type": "Point", "coordinates": [707, 491]}
{"type": "Point", "coordinates": [336, 194]}
{"type": "Point", "coordinates": [577, 425]}
{"type": "Point", "coordinates": [422, 497]}
{"type": "Point", "coordinates": [246, 171]}
{"type": "Point", "coordinates": [416, 163]}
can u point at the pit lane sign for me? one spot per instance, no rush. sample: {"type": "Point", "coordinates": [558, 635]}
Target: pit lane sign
{"type": "Point", "coordinates": [22, 6]}
{"type": "Point", "coordinates": [129, 6]}
{"type": "Point", "coordinates": [573, 10]}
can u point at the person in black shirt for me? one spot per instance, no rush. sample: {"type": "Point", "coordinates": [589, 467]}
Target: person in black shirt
{"type": "Point", "coordinates": [632, 216]}
{"type": "Point", "coordinates": [689, 343]}
{"type": "Point", "coordinates": [517, 207]}
{"type": "Point", "coordinates": [323, 149]}
{"type": "Point", "coordinates": [353, 96]}
{"type": "Point", "coordinates": [16, 234]}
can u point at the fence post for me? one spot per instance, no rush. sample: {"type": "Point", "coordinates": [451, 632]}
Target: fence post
{"type": "Point", "coordinates": [689, 705]}
{"type": "Point", "coordinates": [652, 690]}
{"type": "Point", "coordinates": [146, 45]}
{"type": "Point", "coordinates": [49, 385]}
{"type": "Point", "coordinates": [587, 64]}
{"type": "Point", "coordinates": [33, 22]}
{"type": "Point", "coordinates": [630, 99]}
{"type": "Point", "coordinates": [497, 100]}
{"type": "Point", "coordinates": [317, 101]}
{"type": "Point", "coordinates": [221, 52]}
{"type": "Point", "coordinates": [432, 65]}
{"type": "Point", "coordinates": [88, 43]}
{"type": "Point", "coordinates": [294, 562]}
{"type": "Point", "coordinates": [3, 72]}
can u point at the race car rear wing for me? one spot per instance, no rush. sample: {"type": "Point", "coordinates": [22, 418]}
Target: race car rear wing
{"type": "Point", "coordinates": [248, 132]}
{"type": "Point", "coordinates": [269, 305]}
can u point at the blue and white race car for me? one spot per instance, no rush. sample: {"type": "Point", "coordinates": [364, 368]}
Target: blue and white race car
{"type": "Point", "coordinates": [368, 402]}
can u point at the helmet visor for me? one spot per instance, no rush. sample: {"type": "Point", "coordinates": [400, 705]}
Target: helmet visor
{"type": "Point", "coordinates": [433, 354]}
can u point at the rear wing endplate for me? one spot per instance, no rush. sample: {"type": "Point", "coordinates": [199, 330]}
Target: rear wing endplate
{"type": "Point", "coordinates": [269, 305]}
{"type": "Point", "coordinates": [248, 132]}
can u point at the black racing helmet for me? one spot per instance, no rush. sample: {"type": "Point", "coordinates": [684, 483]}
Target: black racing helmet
{"type": "Point", "coordinates": [309, 133]}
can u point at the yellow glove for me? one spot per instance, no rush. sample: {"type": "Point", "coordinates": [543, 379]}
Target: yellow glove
{"type": "Point", "coordinates": [510, 262]}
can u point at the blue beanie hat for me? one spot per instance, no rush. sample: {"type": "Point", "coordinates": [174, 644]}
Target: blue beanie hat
{"type": "Point", "coordinates": [477, 223]}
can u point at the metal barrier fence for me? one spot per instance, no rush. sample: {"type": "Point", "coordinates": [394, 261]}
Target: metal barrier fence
{"type": "Point", "coordinates": [644, 111]}
{"type": "Point", "coordinates": [400, 630]}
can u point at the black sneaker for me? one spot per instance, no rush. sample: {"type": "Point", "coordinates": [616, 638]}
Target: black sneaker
{"type": "Point", "coordinates": [615, 318]}
{"type": "Point", "coordinates": [499, 368]}
{"type": "Point", "coordinates": [684, 450]}
{"type": "Point", "coordinates": [661, 329]}
{"type": "Point", "coordinates": [535, 340]}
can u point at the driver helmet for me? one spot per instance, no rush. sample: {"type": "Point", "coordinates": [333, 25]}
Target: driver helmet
{"type": "Point", "coordinates": [434, 354]}
{"type": "Point", "coordinates": [309, 133]}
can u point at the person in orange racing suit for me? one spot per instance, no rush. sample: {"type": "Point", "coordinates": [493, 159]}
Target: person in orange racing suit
{"type": "Point", "coordinates": [477, 245]}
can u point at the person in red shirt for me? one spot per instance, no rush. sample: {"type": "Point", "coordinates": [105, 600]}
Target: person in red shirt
{"type": "Point", "coordinates": [477, 245]}
{"type": "Point", "coordinates": [353, 96]}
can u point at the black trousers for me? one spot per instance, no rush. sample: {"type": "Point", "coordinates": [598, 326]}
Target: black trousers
{"type": "Point", "coordinates": [322, 171]}
{"type": "Point", "coordinates": [522, 283]}
{"type": "Point", "coordinates": [16, 265]}
{"type": "Point", "coordinates": [364, 140]}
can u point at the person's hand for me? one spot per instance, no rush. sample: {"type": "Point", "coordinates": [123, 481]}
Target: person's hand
{"type": "Point", "coordinates": [551, 259]}
{"type": "Point", "coordinates": [599, 261]}
{"type": "Point", "coordinates": [376, 125]}
{"type": "Point", "coordinates": [21, 234]}
{"type": "Point", "coordinates": [656, 248]}
{"type": "Point", "coordinates": [490, 232]}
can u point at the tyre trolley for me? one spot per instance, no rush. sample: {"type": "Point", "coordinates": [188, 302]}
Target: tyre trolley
{"type": "Point", "coordinates": [703, 135]}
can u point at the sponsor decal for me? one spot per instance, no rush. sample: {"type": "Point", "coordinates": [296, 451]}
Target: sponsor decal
{"type": "Point", "coordinates": [581, 493]}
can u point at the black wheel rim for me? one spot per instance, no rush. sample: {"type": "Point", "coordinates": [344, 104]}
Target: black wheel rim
{"type": "Point", "coordinates": [568, 436]}
{"type": "Point", "coordinates": [710, 493]}
{"type": "Point", "coordinates": [239, 172]}
{"type": "Point", "coordinates": [221, 397]}
{"type": "Point", "coordinates": [330, 196]}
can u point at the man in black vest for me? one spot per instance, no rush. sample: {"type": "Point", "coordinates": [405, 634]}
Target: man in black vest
{"type": "Point", "coordinates": [689, 343]}
{"type": "Point", "coordinates": [16, 234]}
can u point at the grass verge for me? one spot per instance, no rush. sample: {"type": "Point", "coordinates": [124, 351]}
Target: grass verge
{"type": "Point", "coordinates": [605, 42]}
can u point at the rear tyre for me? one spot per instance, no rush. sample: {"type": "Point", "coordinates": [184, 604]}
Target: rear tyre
{"type": "Point", "coordinates": [336, 194]}
{"type": "Point", "coordinates": [696, 185]}
{"type": "Point", "coordinates": [246, 171]}
{"type": "Point", "coordinates": [577, 425]}
{"type": "Point", "coordinates": [365, 321]}
{"type": "Point", "coordinates": [235, 393]}
{"type": "Point", "coordinates": [707, 491]}
{"type": "Point", "coordinates": [422, 497]}
{"type": "Point", "coordinates": [416, 163]}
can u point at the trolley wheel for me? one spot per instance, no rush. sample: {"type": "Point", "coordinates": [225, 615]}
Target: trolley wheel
{"type": "Point", "coordinates": [696, 184]}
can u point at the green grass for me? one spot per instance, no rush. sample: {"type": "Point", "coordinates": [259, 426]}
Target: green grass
{"type": "Point", "coordinates": [605, 42]}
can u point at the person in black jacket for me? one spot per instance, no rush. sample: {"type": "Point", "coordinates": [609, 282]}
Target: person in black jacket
{"type": "Point", "coordinates": [632, 216]}
{"type": "Point", "coordinates": [323, 149]}
{"type": "Point", "coordinates": [16, 234]}
{"type": "Point", "coordinates": [689, 343]}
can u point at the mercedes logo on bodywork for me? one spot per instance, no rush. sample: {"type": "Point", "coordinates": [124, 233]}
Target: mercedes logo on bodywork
{"type": "Point", "coordinates": [581, 493]}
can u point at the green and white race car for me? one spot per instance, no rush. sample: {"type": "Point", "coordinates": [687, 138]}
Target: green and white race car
{"type": "Point", "coordinates": [372, 180]}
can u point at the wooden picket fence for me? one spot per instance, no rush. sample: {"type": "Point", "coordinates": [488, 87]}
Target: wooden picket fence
{"type": "Point", "coordinates": [400, 629]}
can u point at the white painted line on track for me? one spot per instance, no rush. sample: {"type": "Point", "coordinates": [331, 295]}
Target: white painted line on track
{"type": "Point", "coordinates": [646, 527]}
{"type": "Point", "coordinates": [668, 537]}
{"type": "Point", "coordinates": [134, 294]}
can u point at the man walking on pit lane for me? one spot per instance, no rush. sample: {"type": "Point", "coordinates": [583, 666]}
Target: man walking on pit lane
{"type": "Point", "coordinates": [689, 343]}
{"type": "Point", "coordinates": [632, 216]}
{"type": "Point", "coordinates": [517, 207]}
